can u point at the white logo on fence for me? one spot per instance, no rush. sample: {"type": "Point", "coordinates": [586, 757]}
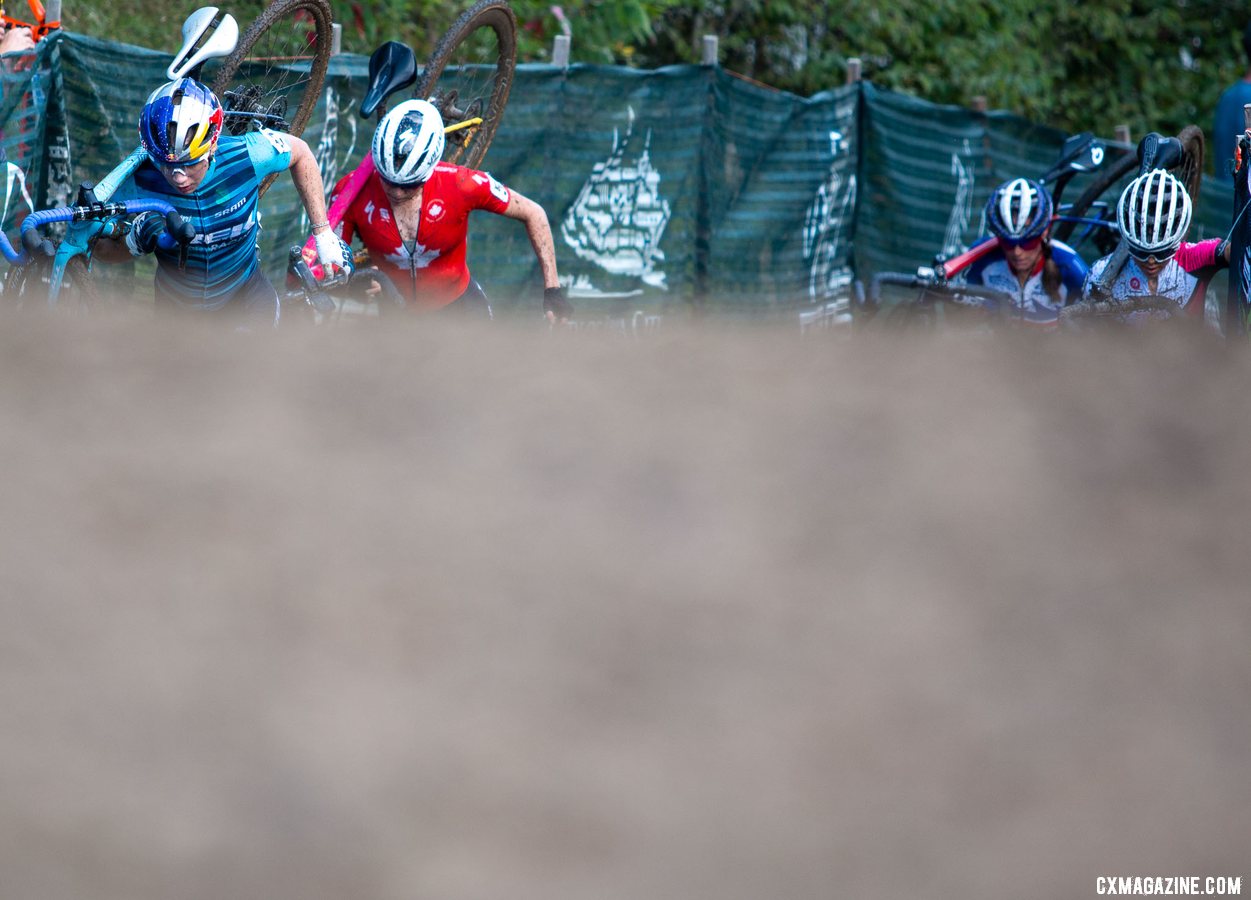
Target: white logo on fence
{"type": "Point", "coordinates": [823, 226]}
{"type": "Point", "coordinates": [619, 216]}
{"type": "Point", "coordinates": [962, 209]}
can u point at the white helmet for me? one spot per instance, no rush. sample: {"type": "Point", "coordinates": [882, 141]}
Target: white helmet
{"type": "Point", "coordinates": [1154, 214]}
{"type": "Point", "coordinates": [408, 142]}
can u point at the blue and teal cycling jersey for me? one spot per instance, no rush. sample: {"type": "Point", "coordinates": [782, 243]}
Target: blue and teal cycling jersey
{"type": "Point", "coordinates": [223, 211]}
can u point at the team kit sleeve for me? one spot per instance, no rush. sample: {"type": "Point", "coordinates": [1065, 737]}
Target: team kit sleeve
{"type": "Point", "coordinates": [483, 191]}
{"type": "Point", "coordinates": [1073, 269]}
{"type": "Point", "coordinates": [1193, 257]}
{"type": "Point", "coordinates": [269, 151]}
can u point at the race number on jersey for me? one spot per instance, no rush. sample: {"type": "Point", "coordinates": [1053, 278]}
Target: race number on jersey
{"type": "Point", "coordinates": [278, 140]}
{"type": "Point", "coordinates": [498, 190]}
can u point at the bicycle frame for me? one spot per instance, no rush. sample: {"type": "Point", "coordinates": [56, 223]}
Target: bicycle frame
{"type": "Point", "coordinates": [80, 236]}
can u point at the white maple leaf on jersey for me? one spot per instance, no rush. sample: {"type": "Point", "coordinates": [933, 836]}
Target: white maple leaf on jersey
{"type": "Point", "coordinates": [418, 259]}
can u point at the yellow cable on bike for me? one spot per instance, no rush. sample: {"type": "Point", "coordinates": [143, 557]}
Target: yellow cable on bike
{"type": "Point", "coordinates": [468, 123]}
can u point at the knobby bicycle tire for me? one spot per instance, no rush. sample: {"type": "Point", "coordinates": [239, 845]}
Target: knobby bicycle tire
{"type": "Point", "coordinates": [1115, 312]}
{"type": "Point", "coordinates": [26, 286]}
{"type": "Point", "coordinates": [269, 61]}
{"type": "Point", "coordinates": [493, 71]}
{"type": "Point", "coordinates": [1190, 171]}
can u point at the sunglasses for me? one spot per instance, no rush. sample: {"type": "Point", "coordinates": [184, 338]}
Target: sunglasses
{"type": "Point", "coordinates": [1153, 258]}
{"type": "Point", "coordinates": [186, 168]}
{"type": "Point", "coordinates": [1029, 244]}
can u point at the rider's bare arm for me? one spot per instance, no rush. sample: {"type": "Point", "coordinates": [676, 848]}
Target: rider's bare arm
{"type": "Point", "coordinates": [307, 178]}
{"type": "Point", "coordinates": [526, 210]}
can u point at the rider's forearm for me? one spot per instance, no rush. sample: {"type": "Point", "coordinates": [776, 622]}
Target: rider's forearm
{"type": "Point", "coordinates": [307, 180]}
{"type": "Point", "coordinates": [540, 233]}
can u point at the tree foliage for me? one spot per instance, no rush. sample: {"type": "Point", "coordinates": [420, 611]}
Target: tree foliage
{"type": "Point", "coordinates": [1150, 64]}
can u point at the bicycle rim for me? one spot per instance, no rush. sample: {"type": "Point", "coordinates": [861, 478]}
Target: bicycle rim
{"type": "Point", "coordinates": [274, 77]}
{"type": "Point", "coordinates": [469, 76]}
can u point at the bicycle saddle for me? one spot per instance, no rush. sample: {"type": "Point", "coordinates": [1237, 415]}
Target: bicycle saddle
{"type": "Point", "coordinates": [392, 66]}
{"type": "Point", "coordinates": [1158, 152]}
{"type": "Point", "coordinates": [208, 33]}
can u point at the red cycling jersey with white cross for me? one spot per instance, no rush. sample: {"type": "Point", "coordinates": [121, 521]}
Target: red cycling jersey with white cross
{"type": "Point", "coordinates": [430, 271]}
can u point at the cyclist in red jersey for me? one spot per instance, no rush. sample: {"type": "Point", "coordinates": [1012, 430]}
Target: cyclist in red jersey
{"type": "Point", "coordinates": [412, 214]}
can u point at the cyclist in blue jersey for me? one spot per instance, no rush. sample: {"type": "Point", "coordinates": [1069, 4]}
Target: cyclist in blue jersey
{"type": "Point", "coordinates": [1037, 275]}
{"type": "Point", "coordinates": [213, 180]}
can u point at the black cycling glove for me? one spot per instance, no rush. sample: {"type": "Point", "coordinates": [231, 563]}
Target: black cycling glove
{"type": "Point", "coordinates": [145, 228]}
{"type": "Point", "coordinates": [555, 301]}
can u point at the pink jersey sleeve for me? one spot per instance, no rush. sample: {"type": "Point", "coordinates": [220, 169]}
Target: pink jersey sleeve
{"type": "Point", "coordinates": [1193, 257]}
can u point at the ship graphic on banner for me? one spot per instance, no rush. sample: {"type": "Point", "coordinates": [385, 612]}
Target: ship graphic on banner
{"type": "Point", "coordinates": [962, 207]}
{"type": "Point", "coordinates": [823, 228]}
{"type": "Point", "coordinates": [617, 221]}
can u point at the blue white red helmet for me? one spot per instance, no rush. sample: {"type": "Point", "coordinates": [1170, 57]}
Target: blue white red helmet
{"type": "Point", "coordinates": [408, 142]}
{"type": "Point", "coordinates": [1154, 213]}
{"type": "Point", "coordinates": [1018, 210]}
{"type": "Point", "coordinates": [180, 122]}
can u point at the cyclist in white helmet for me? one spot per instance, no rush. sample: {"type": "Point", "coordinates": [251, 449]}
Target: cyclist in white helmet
{"type": "Point", "coordinates": [1037, 275]}
{"type": "Point", "coordinates": [1154, 215]}
{"type": "Point", "coordinates": [413, 216]}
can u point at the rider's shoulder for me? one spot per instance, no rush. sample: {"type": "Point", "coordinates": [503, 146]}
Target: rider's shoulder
{"type": "Point", "coordinates": [1099, 265]}
{"type": "Point", "coordinates": [1068, 259]}
{"type": "Point", "coordinates": [266, 139]}
{"type": "Point", "coordinates": [1059, 248]}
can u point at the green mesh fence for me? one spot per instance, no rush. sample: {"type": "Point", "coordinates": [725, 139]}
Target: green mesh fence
{"type": "Point", "coordinates": [684, 184]}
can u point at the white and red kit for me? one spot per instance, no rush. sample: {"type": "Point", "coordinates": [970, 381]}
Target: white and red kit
{"type": "Point", "coordinates": [431, 271]}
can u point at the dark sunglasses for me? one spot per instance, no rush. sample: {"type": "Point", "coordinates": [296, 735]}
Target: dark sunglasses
{"type": "Point", "coordinates": [1027, 244]}
{"type": "Point", "coordinates": [1154, 258]}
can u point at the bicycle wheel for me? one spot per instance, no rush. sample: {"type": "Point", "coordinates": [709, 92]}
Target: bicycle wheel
{"type": "Point", "coordinates": [273, 79]}
{"type": "Point", "coordinates": [1103, 180]}
{"type": "Point", "coordinates": [469, 76]}
{"type": "Point", "coordinates": [1133, 311]}
{"type": "Point", "coordinates": [26, 287]}
{"type": "Point", "coordinates": [1190, 171]}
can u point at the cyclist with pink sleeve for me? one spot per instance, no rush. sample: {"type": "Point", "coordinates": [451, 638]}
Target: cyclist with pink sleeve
{"type": "Point", "coordinates": [1154, 215]}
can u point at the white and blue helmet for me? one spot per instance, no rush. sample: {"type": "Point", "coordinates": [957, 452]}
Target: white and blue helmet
{"type": "Point", "coordinates": [408, 142]}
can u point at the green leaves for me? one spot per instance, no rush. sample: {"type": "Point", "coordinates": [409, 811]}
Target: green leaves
{"type": "Point", "coordinates": [1089, 65]}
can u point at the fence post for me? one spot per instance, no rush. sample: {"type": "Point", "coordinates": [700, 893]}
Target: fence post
{"type": "Point", "coordinates": [336, 39]}
{"type": "Point", "coordinates": [52, 11]}
{"type": "Point", "coordinates": [853, 69]}
{"type": "Point", "coordinates": [560, 50]}
{"type": "Point", "coordinates": [711, 51]}
{"type": "Point", "coordinates": [1121, 133]}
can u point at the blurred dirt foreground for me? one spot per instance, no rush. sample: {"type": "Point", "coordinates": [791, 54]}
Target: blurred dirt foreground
{"type": "Point", "coordinates": [508, 615]}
